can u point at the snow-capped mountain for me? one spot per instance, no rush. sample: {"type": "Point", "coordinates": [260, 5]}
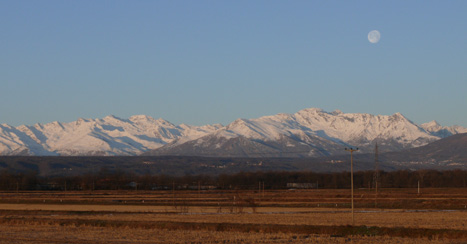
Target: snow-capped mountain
{"type": "Point", "coordinates": [307, 133]}
{"type": "Point", "coordinates": [108, 136]}
{"type": "Point", "coordinates": [443, 131]}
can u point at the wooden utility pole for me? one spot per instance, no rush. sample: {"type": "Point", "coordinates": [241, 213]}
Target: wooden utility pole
{"type": "Point", "coordinates": [376, 176]}
{"type": "Point", "coordinates": [351, 150]}
{"type": "Point", "coordinates": [173, 193]}
{"type": "Point", "coordinates": [263, 188]}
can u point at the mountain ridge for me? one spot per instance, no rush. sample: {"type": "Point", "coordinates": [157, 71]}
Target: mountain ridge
{"type": "Point", "coordinates": [316, 132]}
{"type": "Point", "coordinates": [444, 154]}
{"type": "Point", "coordinates": [310, 132]}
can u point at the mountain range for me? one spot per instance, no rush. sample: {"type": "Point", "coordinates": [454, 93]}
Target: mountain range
{"type": "Point", "coordinates": [445, 154]}
{"type": "Point", "coordinates": [310, 132]}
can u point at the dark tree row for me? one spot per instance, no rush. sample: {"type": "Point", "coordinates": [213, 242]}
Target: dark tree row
{"type": "Point", "coordinates": [121, 180]}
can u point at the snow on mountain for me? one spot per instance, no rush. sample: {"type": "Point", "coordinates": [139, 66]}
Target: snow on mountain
{"type": "Point", "coordinates": [226, 143]}
{"type": "Point", "coordinates": [436, 129]}
{"type": "Point", "coordinates": [393, 131]}
{"type": "Point", "coordinates": [309, 132]}
{"type": "Point", "coordinates": [14, 142]}
{"type": "Point", "coordinates": [108, 136]}
{"type": "Point", "coordinates": [269, 136]}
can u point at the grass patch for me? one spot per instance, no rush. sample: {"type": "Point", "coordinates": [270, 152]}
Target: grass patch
{"type": "Point", "coordinates": [339, 231]}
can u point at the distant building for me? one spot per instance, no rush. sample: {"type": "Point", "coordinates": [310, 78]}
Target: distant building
{"type": "Point", "coordinates": [201, 187]}
{"type": "Point", "coordinates": [302, 185]}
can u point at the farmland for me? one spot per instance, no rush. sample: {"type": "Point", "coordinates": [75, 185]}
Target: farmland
{"type": "Point", "coordinates": [436, 215]}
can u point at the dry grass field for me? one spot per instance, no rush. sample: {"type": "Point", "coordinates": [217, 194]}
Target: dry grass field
{"type": "Point", "coordinates": [282, 216]}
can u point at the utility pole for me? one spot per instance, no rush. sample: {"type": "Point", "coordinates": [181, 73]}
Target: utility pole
{"type": "Point", "coordinates": [351, 150]}
{"type": "Point", "coordinates": [376, 175]}
{"type": "Point", "coordinates": [173, 193]}
{"type": "Point", "coordinates": [93, 178]}
{"type": "Point", "coordinates": [263, 188]}
{"type": "Point", "coordinates": [259, 188]}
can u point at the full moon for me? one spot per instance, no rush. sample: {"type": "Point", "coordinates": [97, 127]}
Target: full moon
{"type": "Point", "coordinates": [374, 36]}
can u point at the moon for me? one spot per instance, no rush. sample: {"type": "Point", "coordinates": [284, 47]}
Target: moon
{"type": "Point", "coordinates": [374, 36]}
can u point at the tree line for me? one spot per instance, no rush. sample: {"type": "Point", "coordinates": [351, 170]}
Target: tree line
{"type": "Point", "coordinates": [105, 179]}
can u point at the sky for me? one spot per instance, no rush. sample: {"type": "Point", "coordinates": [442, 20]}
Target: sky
{"type": "Point", "coordinates": [205, 62]}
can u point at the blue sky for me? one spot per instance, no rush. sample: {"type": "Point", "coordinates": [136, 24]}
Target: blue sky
{"type": "Point", "coordinates": [204, 62]}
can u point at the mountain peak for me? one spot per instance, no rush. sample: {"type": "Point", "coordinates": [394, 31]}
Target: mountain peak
{"type": "Point", "coordinates": [432, 123]}
{"type": "Point", "coordinates": [112, 117]}
{"type": "Point", "coordinates": [80, 121]}
{"type": "Point", "coordinates": [337, 112]}
{"type": "Point", "coordinates": [313, 110]}
{"type": "Point", "coordinates": [399, 116]}
{"type": "Point", "coordinates": [57, 123]}
{"type": "Point", "coordinates": [141, 117]}
{"type": "Point", "coordinates": [164, 122]}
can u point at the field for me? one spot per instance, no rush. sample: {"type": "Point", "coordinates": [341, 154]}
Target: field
{"type": "Point", "coordinates": [211, 216]}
